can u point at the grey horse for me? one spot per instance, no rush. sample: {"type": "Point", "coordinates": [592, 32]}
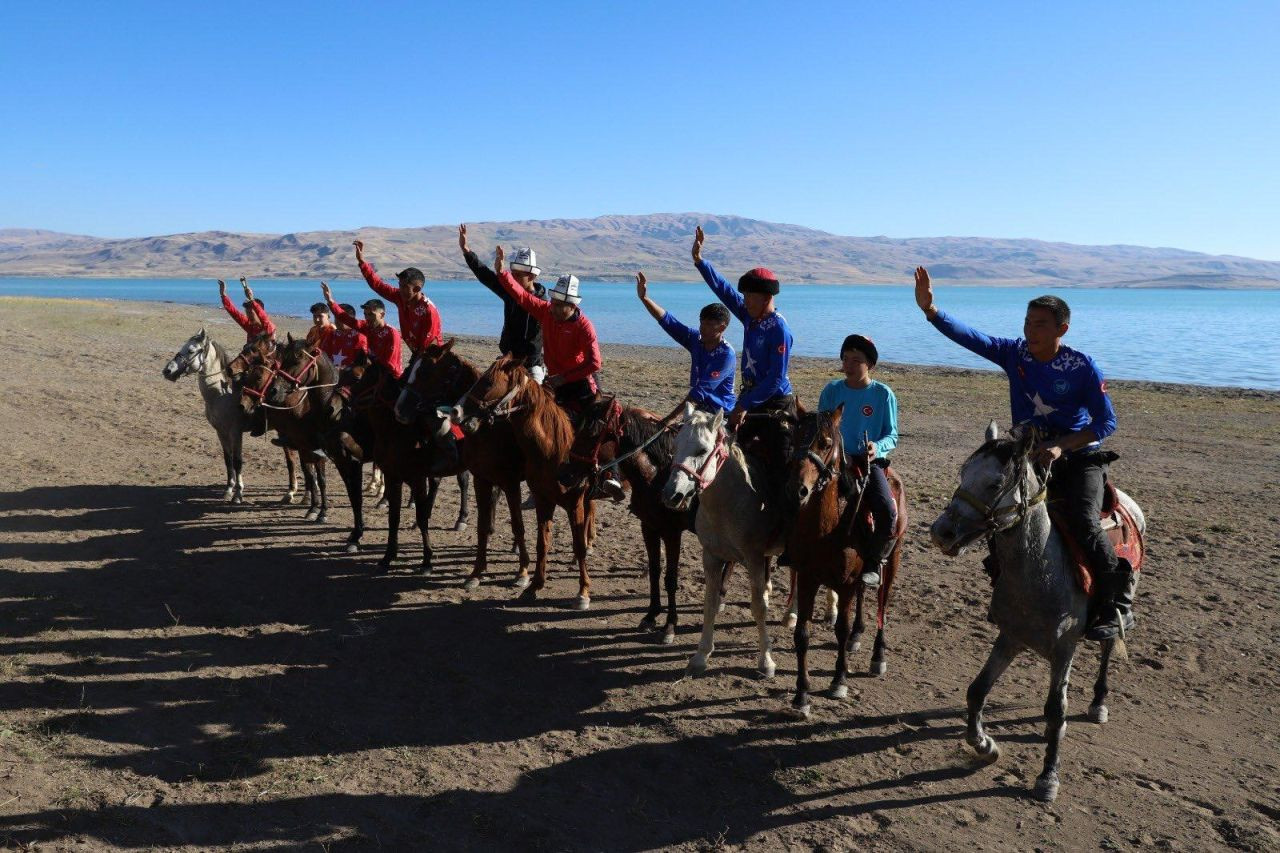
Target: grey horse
{"type": "Point", "coordinates": [1036, 602]}
{"type": "Point", "coordinates": [734, 523]}
{"type": "Point", "coordinates": [204, 357]}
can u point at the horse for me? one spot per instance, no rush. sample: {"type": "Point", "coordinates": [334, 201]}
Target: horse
{"type": "Point", "coordinates": [440, 377]}
{"type": "Point", "coordinates": [821, 554]}
{"type": "Point", "coordinates": [401, 455]}
{"type": "Point", "coordinates": [639, 445]}
{"type": "Point", "coordinates": [205, 357]}
{"type": "Point", "coordinates": [544, 435]}
{"type": "Point", "coordinates": [735, 522]}
{"type": "Point", "coordinates": [1036, 600]}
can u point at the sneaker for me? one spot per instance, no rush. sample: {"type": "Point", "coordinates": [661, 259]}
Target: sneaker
{"type": "Point", "coordinates": [871, 580]}
{"type": "Point", "coordinates": [611, 488]}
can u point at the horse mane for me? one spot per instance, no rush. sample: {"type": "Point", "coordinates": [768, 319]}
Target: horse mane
{"type": "Point", "coordinates": [638, 426]}
{"type": "Point", "coordinates": [220, 352]}
{"type": "Point", "coordinates": [554, 423]}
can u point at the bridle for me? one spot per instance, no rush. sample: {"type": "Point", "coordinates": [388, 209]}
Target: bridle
{"type": "Point", "coordinates": [719, 453]}
{"type": "Point", "coordinates": [312, 363]}
{"type": "Point", "coordinates": [996, 515]}
{"type": "Point", "coordinates": [488, 411]}
{"type": "Point", "coordinates": [610, 427]}
{"type": "Point", "coordinates": [827, 469]}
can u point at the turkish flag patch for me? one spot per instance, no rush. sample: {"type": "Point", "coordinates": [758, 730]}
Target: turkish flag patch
{"type": "Point", "coordinates": [715, 374]}
{"type": "Point", "coordinates": [782, 348]}
{"type": "Point", "coordinates": [866, 411]}
{"type": "Point", "coordinates": [1104, 386]}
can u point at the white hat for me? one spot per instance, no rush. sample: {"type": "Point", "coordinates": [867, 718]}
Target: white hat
{"type": "Point", "coordinates": [566, 289]}
{"type": "Point", "coordinates": [524, 260]}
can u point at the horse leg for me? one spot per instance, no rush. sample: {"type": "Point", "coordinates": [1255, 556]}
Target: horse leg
{"type": "Point", "coordinates": [855, 636]}
{"type": "Point", "coordinates": [760, 610]}
{"type": "Point", "coordinates": [672, 543]}
{"type": "Point", "coordinates": [590, 524]}
{"type": "Point", "coordinates": [1097, 709]}
{"type": "Point", "coordinates": [839, 690]}
{"type": "Point", "coordinates": [545, 513]}
{"type": "Point", "coordinates": [790, 620]}
{"type": "Point", "coordinates": [833, 603]}
{"type": "Point", "coordinates": [237, 464]}
{"type": "Point", "coordinates": [324, 493]}
{"type": "Point", "coordinates": [392, 486]}
{"type": "Point", "coordinates": [808, 592]}
{"type": "Point", "coordinates": [352, 474]}
{"type": "Point", "coordinates": [878, 664]}
{"type": "Point", "coordinates": [512, 492]}
{"type": "Point", "coordinates": [1002, 654]}
{"type": "Point", "coordinates": [1055, 726]}
{"type": "Point", "coordinates": [464, 501]}
{"type": "Point", "coordinates": [292, 494]}
{"type": "Point", "coordinates": [484, 527]}
{"type": "Point", "coordinates": [580, 522]}
{"type": "Point", "coordinates": [652, 547]}
{"type": "Point", "coordinates": [712, 576]}
{"type": "Point", "coordinates": [424, 501]}
{"type": "Point", "coordinates": [309, 482]}
{"type": "Point", "coordinates": [230, 491]}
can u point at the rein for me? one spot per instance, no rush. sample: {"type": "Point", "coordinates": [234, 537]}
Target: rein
{"type": "Point", "coordinates": [491, 410]}
{"type": "Point", "coordinates": [992, 514]}
{"type": "Point", "coordinates": [718, 454]}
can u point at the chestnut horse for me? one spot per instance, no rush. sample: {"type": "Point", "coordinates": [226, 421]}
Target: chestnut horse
{"type": "Point", "coordinates": [437, 379]}
{"type": "Point", "coordinates": [544, 435]}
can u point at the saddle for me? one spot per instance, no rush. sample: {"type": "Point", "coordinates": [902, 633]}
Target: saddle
{"type": "Point", "coordinates": [1119, 525]}
{"type": "Point", "coordinates": [866, 522]}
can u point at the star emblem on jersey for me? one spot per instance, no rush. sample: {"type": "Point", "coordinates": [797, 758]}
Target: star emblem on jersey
{"type": "Point", "coordinates": [748, 363]}
{"type": "Point", "coordinates": [1041, 407]}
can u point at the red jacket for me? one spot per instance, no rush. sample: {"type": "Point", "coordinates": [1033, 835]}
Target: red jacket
{"type": "Point", "coordinates": [383, 342]}
{"type": "Point", "coordinates": [570, 348]}
{"type": "Point", "coordinates": [252, 325]}
{"type": "Point", "coordinates": [419, 323]}
{"type": "Point", "coordinates": [338, 342]}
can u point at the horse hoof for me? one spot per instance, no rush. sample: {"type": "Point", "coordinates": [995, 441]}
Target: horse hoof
{"type": "Point", "coordinates": [384, 565]}
{"type": "Point", "coordinates": [423, 570]}
{"type": "Point", "coordinates": [988, 751]}
{"type": "Point", "coordinates": [288, 499]}
{"type": "Point", "coordinates": [353, 548]}
{"type": "Point", "coordinates": [855, 643]}
{"type": "Point", "coordinates": [321, 518]}
{"type": "Point", "coordinates": [471, 584]}
{"type": "Point", "coordinates": [789, 621]}
{"type": "Point", "coordinates": [720, 608]}
{"type": "Point", "coordinates": [696, 667]}
{"type": "Point", "coordinates": [459, 526]}
{"type": "Point", "coordinates": [878, 667]}
{"type": "Point", "coordinates": [583, 603]}
{"type": "Point", "coordinates": [1046, 789]}
{"type": "Point", "coordinates": [227, 495]}
{"type": "Point", "coordinates": [767, 671]}
{"type": "Point", "coordinates": [649, 623]}
{"type": "Point", "coordinates": [669, 635]}
{"type": "Point", "coordinates": [520, 581]}
{"type": "Point", "coordinates": [840, 691]}
{"type": "Point", "coordinates": [310, 516]}
{"type": "Point", "coordinates": [1098, 713]}
{"type": "Point", "coordinates": [798, 712]}
{"type": "Point", "coordinates": [382, 504]}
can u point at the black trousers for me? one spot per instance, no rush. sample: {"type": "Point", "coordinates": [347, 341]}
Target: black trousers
{"type": "Point", "coordinates": [1077, 487]}
{"type": "Point", "coordinates": [574, 397]}
{"type": "Point", "coordinates": [774, 435]}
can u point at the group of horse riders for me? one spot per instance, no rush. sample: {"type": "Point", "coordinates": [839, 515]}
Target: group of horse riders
{"type": "Point", "coordinates": [1052, 387]}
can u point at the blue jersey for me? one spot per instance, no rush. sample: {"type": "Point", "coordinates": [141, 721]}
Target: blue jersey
{"type": "Point", "coordinates": [711, 373]}
{"type": "Point", "coordinates": [872, 410]}
{"type": "Point", "coordinates": [766, 345]}
{"type": "Point", "coordinates": [1065, 394]}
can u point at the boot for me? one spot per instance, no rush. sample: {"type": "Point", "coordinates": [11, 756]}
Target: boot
{"type": "Point", "coordinates": [872, 572]}
{"type": "Point", "coordinates": [445, 459]}
{"type": "Point", "coordinates": [609, 487]}
{"type": "Point", "coordinates": [1115, 604]}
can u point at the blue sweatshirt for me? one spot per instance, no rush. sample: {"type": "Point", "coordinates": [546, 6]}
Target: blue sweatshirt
{"type": "Point", "coordinates": [872, 410]}
{"type": "Point", "coordinates": [766, 345]}
{"type": "Point", "coordinates": [710, 373]}
{"type": "Point", "coordinates": [1066, 394]}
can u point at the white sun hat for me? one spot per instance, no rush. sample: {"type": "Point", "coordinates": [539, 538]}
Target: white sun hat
{"type": "Point", "coordinates": [566, 289]}
{"type": "Point", "coordinates": [524, 260]}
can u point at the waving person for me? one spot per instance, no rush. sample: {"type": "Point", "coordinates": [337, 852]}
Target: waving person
{"type": "Point", "coordinates": [254, 319]}
{"type": "Point", "coordinates": [711, 356]}
{"type": "Point", "coordinates": [419, 319]}
{"type": "Point", "coordinates": [521, 332]}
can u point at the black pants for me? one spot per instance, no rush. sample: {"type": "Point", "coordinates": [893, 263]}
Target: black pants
{"type": "Point", "coordinates": [1077, 487]}
{"type": "Point", "coordinates": [773, 435]}
{"type": "Point", "coordinates": [574, 397]}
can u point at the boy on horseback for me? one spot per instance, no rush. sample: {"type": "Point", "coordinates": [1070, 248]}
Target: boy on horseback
{"type": "Point", "coordinates": [1062, 393]}
{"type": "Point", "coordinates": [712, 357]}
{"type": "Point", "coordinates": [383, 339]}
{"type": "Point", "coordinates": [871, 416]}
{"type": "Point", "coordinates": [521, 333]}
{"type": "Point", "coordinates": [766, 351]}
{"type": "Point", "coordinates": [419, 319]}
{"type": "Point", "coordinates": [254, 319]}
{"type": "Point", "coordinates": [340, 343]}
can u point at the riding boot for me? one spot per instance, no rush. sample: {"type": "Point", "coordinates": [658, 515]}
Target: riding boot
{"type": "Point", "coordinates": [445, 458]}
{"type": "Point", "coordinates": [879, 549]}
{"type": "Point", "coordinates": [1114, 612]}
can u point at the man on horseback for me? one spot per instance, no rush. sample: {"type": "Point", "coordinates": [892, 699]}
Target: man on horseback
{"type": "Point", "coordinates": [766, 351]}
{"type": "Point", "coordinates": [383, 339]}
{"type": "Point", "coordinates": [254, 319]}
{"type": "Point", "coordinates": [419, 319]}
{"type": "Point", "coordinates": [712, 357]}
{"type": "Point", "coordinates": [340, 343]}
{"type": "Point", "coordinates": [869, 426]}
{"type": "Point", "coordinates": [521, 333]}
{"type": "Point", "coordinates": [1062, 393]}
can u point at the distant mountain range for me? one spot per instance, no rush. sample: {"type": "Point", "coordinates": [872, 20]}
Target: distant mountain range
{"type": "Point", "coordinates": [613, 247]}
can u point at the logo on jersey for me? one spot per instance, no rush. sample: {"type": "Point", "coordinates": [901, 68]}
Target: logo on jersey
{"type": "Point", "coordinates": [866, 411]}
{"type": "Point", "coordinates": [715, 374]}
{"type": "Point", "coordinates": [782, 348]}
{"type": "Point", "coordinates": [1061, 386]}
{"type": "Point", "coordinates": [1104, 386]}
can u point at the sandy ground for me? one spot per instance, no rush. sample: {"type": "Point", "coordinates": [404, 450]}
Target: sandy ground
{"type": "Point", "coordinates": [177, 673]}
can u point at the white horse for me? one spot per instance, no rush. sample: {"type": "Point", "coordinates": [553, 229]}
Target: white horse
{"type": "Point", "coordinates": [207, 359]}
{"type": "Point", "coordinates": [1036, 602]}
{"type": "Point", "coordinates": [734, 523]}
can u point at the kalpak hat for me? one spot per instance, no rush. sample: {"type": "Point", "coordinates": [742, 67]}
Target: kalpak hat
{"type": "Point", "coordinates": [566, 290]}
{"type": "Point", "coordinates": [758, 280]}
{"type": "Point", "coordinates": [525, 260]}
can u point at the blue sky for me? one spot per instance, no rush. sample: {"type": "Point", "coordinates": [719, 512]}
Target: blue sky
{"type": "Point", "coordinates": [1147, 123]}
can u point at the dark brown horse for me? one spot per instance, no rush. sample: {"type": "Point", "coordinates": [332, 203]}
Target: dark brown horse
{"type": "Point", "coordinates": [438, 378]}
{"type": "Point", "coordinates": [403, 455]}
{"type": "Point", "coordinates": [544, 435]}
{"type": "Point", "coordinates": [261, 350]}
{"type": "Point", "coordinates": [638, 445]}
{"type": "Point", "coordinates": [819, 544]}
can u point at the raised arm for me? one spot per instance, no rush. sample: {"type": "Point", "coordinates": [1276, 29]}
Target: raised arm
{"type": "Point", "coordinates": [483, 274]}
{"type": "Point", "coordinates": [724, 291]}
{"type": "Point", "coordinates": [371, 277]}
{"type": "Point", "coordinates": [537, 308]}
{"type": "Point", "coordinates": [679, 332]}
{"type": "Point", "coordinates": [340, 317]}
{"type": "Point", "coordinates": [991, 348]}
{"type": "Point", "coordinates": [242, 319]}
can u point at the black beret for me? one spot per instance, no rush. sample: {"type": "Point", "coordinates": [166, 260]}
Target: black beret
{"type": "Point", "coordinates": [863, 345]}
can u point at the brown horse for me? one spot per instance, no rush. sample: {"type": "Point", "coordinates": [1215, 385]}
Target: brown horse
{"type": "Point", "coordinates": [402, 454]}
{"type": "Point", "coordinates": [439, 377]}
{"type": "Point", "coordinates": [821, 554]}
{"type": "Point", "coordinates": [639, 446]}
{"type": "Point", "coordinates": [544, 435]}
{"type": "Point", "coordinates": [261, 350]}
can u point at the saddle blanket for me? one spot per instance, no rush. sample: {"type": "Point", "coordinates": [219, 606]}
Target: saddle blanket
{"type": "Point", "coordinates": [1121, 528]}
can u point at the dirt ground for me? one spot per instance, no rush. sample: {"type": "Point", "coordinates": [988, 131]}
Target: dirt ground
{"type": "Point", "coordinates": [177, 673]}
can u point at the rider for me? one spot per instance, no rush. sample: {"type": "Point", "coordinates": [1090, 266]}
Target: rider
{"type": "Point", "coordinates": [419, 319]}
{"type": "Point", "coordinates": [383, 339]}
{"type": "Point", "coordinates": [521, 333]}
{"type": "Point", "coordinates": [1061, 392]}
{"type": "Point", "coordinates": [711, 356]}
{"type": "Point", "coordinates": [766, 350]}
{"type": "Point", "coordinates": [254, 319]}
{"type": "Point", "coordinates": [340, 343]}
{"type": "Point", "coordinates": [869, 425]}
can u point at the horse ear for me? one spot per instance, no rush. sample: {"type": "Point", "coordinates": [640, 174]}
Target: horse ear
{"type": "Point", "coordinates": [993, 431]}
{"type": "Point", "coordinates": [448, 345]}
{"type": "Point", "coordinates": [202, 333]}
{"type": "Point", "coordinates": [719, 419]}
{"type": "Point", "coordinates": [837, 415]}
{"type": "Point", "coordinates": [289, 337]}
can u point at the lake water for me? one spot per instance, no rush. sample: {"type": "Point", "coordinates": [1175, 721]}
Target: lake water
{"type": "Point", "coordinates": [1205, 337]}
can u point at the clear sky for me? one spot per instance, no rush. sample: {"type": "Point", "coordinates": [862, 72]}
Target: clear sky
{"type": "Point", "coordinates": [1155, 123]}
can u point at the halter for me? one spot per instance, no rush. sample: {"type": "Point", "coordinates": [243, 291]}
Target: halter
{"type": "Point", "coordinates": [491, 410]}
{"type": "Point", "coordinates": [826, 470]}
{"type": "Point", "coordinates": [260, 394]}
{"type": "Point", "coordinates": [993, 515]}
{"type": "Point", "coordinates": [718, 454]}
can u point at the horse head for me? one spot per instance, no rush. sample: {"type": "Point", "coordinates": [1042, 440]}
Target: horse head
{"type": "Point", "coordinates": [818, 457]}
{"type": "Point", "coordinates": [431, 379]}
{"type": "Point", "coordinates": [599, 433]}
{"type": "Point", "coordinates": [701, 446]}
{"type": "Point", "coordinates": [254, 384]}
{"type": "Point", "coordinates": [191, 358]}
{"type": "Point", "coordinates": [999, 484]}
{"type": "Point", "coordinates": [259, 350]}
{"type": "Point", "coordinates": [493, 395]}
{"type": "Point", "coordinates": [298, 368]}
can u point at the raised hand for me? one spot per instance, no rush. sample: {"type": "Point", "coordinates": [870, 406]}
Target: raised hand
{"type": "Point", "coordinates": [359, 244]}
{"type": "Point", "coordinates": [324, 288]}
{"type": "Point", "coordinates": [698, 237]}
{"type": "Point", "coordinates": [248, 291]}
{"type": "Point", "coordinates": [462, 238]}
{"type": "Point", "coordinates": [924, 292]}
{"type": "Point", "coordinates": [642, 285]}
{"type": "Point", "coordinates": [222, 287]}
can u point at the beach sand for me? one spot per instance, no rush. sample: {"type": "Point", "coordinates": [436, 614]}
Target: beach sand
{"type": "Point", "coordinates": [178, 673]}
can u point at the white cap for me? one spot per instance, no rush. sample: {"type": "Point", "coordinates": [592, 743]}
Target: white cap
{"type": "Point", "coordinates": [566, 289]}
{"type": "Point", "coordinates": [524, 260]}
